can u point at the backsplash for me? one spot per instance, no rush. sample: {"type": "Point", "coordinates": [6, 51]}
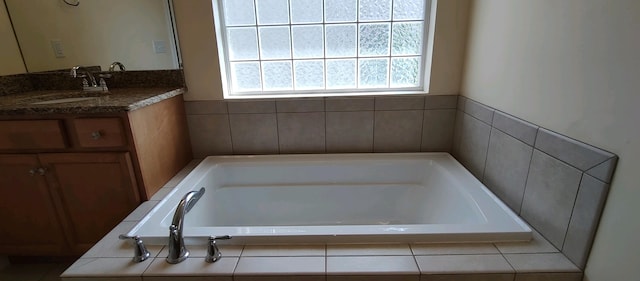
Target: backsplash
{"type": "Point", "coordinates": [322, 125]}
{"type": "Point", "coordinates": [14, 84]}
{"type": "Point", "coordinates": [61, 80]}
{"type": "Point", "coordinates": [557, 184]}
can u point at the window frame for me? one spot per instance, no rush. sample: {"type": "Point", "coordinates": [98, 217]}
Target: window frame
{"type": "Point", "coordinates": [425, 63]}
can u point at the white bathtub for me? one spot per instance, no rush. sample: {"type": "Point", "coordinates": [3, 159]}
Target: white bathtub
{"type": "Point", "coordinates": [336, 198]}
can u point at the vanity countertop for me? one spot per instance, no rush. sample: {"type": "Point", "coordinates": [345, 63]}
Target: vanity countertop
{"type": "Point", "coordinates": [116, 100]}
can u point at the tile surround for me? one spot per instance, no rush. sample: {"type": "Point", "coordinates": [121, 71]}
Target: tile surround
{"type": "Point", "coordinates": [395, 131]}
{"type": "Point", "coordinates": [257, 266]}
{"type": "Point", "coordinates": [579, 155]}
{"type": "Point", "coordinates": [429, 249]}
{"type": "Point", "coordinates": [284, 251]}
{"type": "Point", "coordinates": [301, 132]}
{"type": "Point", "coordinates": [368, 250]}
{"type": "Point", "coordinates": [372, 265]}
{"type": "Point", "coordinates": [200, 251]}
{"type": "Point", "coordinates": [437, 129]}
{"type": "Point", "coordinates": [473, 145]}
{"type": "Point", "coordinates": [574, 276]}
{"type": "Point", "coordinates": [191, 267]}
{"type": "Point", "coordinates": [538, 244]}
{"type": "Point", "coordinates": [210, 134]}
{"type": "Point", "coordinates": [399, 103]}
{"type": "Point", "coordinates": [349, 131]}
{"type": "Point", "coordinates": [557, 184]}
{"type": "Point", "coordinates": [469, 277]}
{"type": "Point", "coordinates": [507, 153]}
{"type": "Point", "coordinates": [584, 219]}
{"type": "Point", "coordinates": [517, 128]}
{"type": "Point", "coordinates": [254, 133]}
{"type": "Point", "coordinates": [479, 111]}
{"type": "Point", "coordinates": [350, 104]}
{"type": "Point", "coordinates": [549, 196]}
{"type": "Point", "coordinates": [463, 264]}
{"type": "Point", "coordinates": [373, 278]}
{"type": "Point", "coordinates": [322, 125]}
{"type": "Point", "coordinates": [546, 262]}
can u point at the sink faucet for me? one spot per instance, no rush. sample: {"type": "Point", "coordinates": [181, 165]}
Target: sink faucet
{"type": "Point", "coordinates": [177, 251]}
{"type": "Point", "coordinates": [87, 73]}
{"type": "Point", "coordinates": [112, 67]}
{"type": "Point", "coordinates": [94, 86]}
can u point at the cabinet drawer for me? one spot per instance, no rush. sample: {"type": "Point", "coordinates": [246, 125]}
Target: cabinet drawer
{"type": "Point", "coordinates": [31, 134]}
{"type": "Point", "coordinates": [100, 132]}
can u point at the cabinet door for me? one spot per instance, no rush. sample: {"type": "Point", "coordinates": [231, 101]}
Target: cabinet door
{"type": "Point", "coordinates": [95, 191]}
{"type": "Point", "coordinates": [30, 224]}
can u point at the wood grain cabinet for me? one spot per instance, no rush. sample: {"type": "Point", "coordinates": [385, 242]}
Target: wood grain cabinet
{"type": "Point", "coordinates": [66, 180]}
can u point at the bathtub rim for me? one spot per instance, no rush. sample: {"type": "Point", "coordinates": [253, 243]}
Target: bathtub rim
{"type": "Point", "coordinates": [518, 231]}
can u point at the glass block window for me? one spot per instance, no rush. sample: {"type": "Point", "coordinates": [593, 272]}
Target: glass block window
{"type": "Point", "coordinates": [321, 47]}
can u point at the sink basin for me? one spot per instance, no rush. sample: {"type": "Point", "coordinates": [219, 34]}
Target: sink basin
{"type": "Point", "coordinates": [65, 100]}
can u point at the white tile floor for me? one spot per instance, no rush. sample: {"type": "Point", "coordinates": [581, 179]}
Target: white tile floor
{"type": "Point", "coordinates": [33, 272]}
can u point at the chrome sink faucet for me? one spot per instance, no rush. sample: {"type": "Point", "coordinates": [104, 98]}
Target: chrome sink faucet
{"type": "Point", "coordinates": [112, 67]}
{"type": "Point", "coordinates": [87, 74]}
{"type": "Point", "coordinates": [177, 250]}
{"type": "Point", "coordinates": [91, 85]}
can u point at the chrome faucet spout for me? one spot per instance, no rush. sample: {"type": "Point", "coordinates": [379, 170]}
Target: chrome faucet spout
{"type": "Point", "coordinates": [177, 250]}
{"type": "Point", "coordinates": [87, 74]}
{"type": "Point", "coordinates": [112, 67]}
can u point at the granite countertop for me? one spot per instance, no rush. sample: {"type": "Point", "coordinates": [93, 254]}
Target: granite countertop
{"type": "Point", "coordinates": [116, 100]}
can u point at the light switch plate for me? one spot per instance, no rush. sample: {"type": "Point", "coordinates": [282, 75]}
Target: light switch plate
{"type": "Point", "coordinates": [58, 51]}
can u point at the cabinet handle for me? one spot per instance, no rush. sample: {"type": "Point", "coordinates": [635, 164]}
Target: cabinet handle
{"type": "Point", "coordinates": [39, 171]}
{"type": "Point", "coordinates": [96, 135]}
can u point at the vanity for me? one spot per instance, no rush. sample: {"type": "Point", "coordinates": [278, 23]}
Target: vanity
{"type": "Point", "coordinates": [74, 164]}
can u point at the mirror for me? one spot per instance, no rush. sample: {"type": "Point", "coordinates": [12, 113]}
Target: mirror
{"type": "Point", "coordinates": [58, 34]}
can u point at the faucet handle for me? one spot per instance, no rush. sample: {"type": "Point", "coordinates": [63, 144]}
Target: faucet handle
{"type": "Point", "coordinates": [213, 253]}
{"type": "Point", "coordinates": [140, 251]}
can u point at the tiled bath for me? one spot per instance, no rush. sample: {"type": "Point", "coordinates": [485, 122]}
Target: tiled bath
{"type": "Point", "coordinates": [558, 185]}
{"type": "Point", "coordinates": [110, 259]}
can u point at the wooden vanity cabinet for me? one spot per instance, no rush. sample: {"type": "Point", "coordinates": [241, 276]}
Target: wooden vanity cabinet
{"type": "Point", "coordinates": [59, 196]}
{"type": "Point", "coordinates": [30, 223]}
{"type": "Point", "coordinates": [93, 192]}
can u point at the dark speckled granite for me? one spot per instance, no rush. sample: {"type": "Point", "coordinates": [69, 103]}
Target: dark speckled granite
{"type": "Point", "coordinates": [61, 80]}
{"type": "Point", "coordinates": [14, 84]}
{"type": "Point", "coordinates": [117, 100]}
{"type": "Point", "coordinates": [128, 91]}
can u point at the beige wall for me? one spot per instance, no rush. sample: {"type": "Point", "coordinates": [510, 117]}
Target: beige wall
{"type": "Point", "coordinates": [570, 66]}
{"type": "Point", "coordinates": [10, 59]}
{"type": "Point", "coordinates": [94, 33]}
{"type": "Point", "coordinates": [196, 34]}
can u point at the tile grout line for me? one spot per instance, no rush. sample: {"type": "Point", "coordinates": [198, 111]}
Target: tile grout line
{"type": "Point", "coordinates": [226, 104]}
{"type": "Point", "coordinates": [526, 181]}
{"type": "Point", "coordinates": [573, 209]}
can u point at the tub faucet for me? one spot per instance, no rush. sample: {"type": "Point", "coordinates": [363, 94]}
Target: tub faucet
{"type": "Point", "coordinates": [177, 251]}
